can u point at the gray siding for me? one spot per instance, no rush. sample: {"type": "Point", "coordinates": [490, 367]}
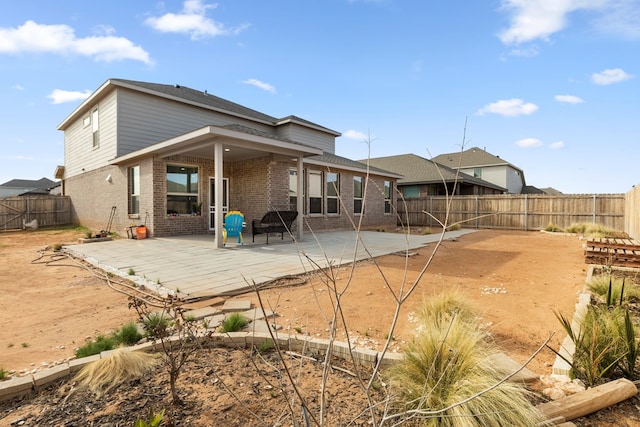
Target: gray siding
{"type": "Point", "coordinates": [307, 136]}
{"type": "Point", "coordinates": [79, 154]}
{"type": "Point", "coordinates": [145, 120]}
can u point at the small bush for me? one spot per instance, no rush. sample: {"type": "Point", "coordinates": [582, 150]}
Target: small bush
{"type": "Point", "coordinates": [234, 322]}
{"type": "Point", "coordinates": [157, 324]}
{"type": "Point", "coordinates": [155, 420]}
{"type": "Point", "coordinates": [454, 227]}
{"type": "Point", "coordinates": [131, 272]}
{"type": "Point", "coordinates": [599, 286]}
{"type": "Point", "coordinates": [553, 228]}
{"type": "Point", "coordinates": [449, 361]}
{"type": "Point", "coordinates": [128, 334]}
{"type": "Point", "coordinates": [100, 344]}
{"type": "Point", "coordinates": [4, 374]}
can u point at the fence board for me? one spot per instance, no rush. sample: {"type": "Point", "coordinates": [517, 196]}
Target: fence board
{"type": "Point", "coordinates": [516, 211]}
{"type": "Point", "coordinates": [47, 210]}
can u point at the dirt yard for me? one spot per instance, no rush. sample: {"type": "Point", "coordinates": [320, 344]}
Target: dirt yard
{"type": "Point", "coordinates": [515, 279]}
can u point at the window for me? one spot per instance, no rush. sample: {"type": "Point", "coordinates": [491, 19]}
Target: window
{"type": "Point", "coordinates": [95, 128]}
{"type": "Point", "coordinates": [477, 172]}
{"type": "Point", "coordinates": [357, 194]}
{"type": "Point", "coordinates": [333, 185]}
{"type": "Point", "coordinates": [182, 189]}
{"type": "Point", "coordinates": [134, 190]}
{"type": "Point", "coordinates": [410, 191]}
{"type": "Point", "coordinates": [315, 192]}
{"type": "Point", "coordinates": [387, 197]}
{"type": "Point", "coordinates": [293, 189]}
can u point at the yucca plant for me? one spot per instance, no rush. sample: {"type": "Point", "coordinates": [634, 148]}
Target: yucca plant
{"type": "Point", "coordinates": [449, 362]}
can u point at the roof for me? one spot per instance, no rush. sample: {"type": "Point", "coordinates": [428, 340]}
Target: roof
{"type": "Point", "coordinates": [327, 159]}
{"type": "Point", "coordinates": [198, 98]}
{"type": "Point", "coordinates": [471, 158]}
{"type": "Point", "coordinates": [530, 189]}
{"type": "Point", "coordinates": [29, 183]}
{"type": "Point", "coordinates": [418, 170]}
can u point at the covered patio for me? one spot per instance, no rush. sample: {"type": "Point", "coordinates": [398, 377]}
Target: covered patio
{"type": "Point", "coordinates": [194, 264]}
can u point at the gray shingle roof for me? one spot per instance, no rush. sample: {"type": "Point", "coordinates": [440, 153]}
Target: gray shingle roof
{"type": "Point", "coordinates": [418, 170]}
{"type": "Point", "coordinates": [200, 97]}
{"type": "Point", "coordinates": [339, 161]}
{"type": "Point", "coordinates": [470, 158]}
{"type": "Point", "coordinates": [29, 183]}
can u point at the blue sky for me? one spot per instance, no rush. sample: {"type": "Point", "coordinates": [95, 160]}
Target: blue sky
{"type": "Point", "coordinates": [552, 86]}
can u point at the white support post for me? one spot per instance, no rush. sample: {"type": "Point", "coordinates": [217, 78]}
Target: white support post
{"type": "Point", "coordinates": [300, 199]}
{"type": "Point", "coordinates": [219, 186]}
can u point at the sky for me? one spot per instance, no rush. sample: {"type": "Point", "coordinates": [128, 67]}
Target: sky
{"type": "Point", "coordinates": [551, 86]}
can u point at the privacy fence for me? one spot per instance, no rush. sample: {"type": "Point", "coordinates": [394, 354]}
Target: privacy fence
{"type": "Point", "coordinates": [47, 210]}
{"type": "Point", "coordinates": [516, 211]}
{"type": "Point", "coordinates": [632, 213]}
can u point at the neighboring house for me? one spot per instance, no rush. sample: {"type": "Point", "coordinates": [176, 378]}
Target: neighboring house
{"type": "Point", "coordinates": [20, 187]}
{"type": "Point", "coordinates": [549, 191]}
{"type": "Point", "coordinates": [481, 164]}
{"type": "Point", "coordinates": [176, 159]}
{"type": "Point", "coordinates": [423, 177]}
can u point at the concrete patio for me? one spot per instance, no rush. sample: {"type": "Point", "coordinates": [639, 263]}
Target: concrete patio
{"type": "Point", "coordinates": [193, 264]}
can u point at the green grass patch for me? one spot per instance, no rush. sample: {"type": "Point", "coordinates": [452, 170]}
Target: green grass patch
{"type": "Point", "coordinates": [234, 322]}
{"type": "Point", "coordinates": [97, 346]}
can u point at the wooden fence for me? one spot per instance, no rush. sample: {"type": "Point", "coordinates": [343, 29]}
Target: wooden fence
{"type": "Point", "coordinates": [632, 213]}
{"type": "Point", "coordinates": [47, 210]}
{"type": "Point", "coordinates": [517, 211]}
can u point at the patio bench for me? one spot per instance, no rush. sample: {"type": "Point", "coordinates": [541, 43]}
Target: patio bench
{"type": "Point", "coordinates": [273, 222]}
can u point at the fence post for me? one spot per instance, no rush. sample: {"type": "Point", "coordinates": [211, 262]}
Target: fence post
{"type": "Point", "coordinates": [526, 212]}
{"type": "Point", "coordinates": [28, 210]}
{"type": "Point", "coordinates": [593, 220]}
{"type": "Point", "coordinates": [477, 209]}
{"type": "Point", "coordinates": [431, 211]}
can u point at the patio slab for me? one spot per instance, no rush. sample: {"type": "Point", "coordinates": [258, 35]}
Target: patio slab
{"type": "Point", "coordinates": [192, 264]}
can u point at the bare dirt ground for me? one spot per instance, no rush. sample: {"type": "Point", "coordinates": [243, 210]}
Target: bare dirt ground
{"type": "Point", "coordinates": [515, 279]}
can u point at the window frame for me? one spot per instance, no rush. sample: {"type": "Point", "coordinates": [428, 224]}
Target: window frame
{"type": "Point", "coordinates": [358, 201]}
{"type": "Point", "coordinates": [388, 191]}
{"type": "Point", "coordinates": [316, 198]}
{"type": "Point", "coordinates": [332, 187]}
{"type": "Point", "coordinates": [191, 198]}
{"type": "Point", "coordinates": [133, 173]}
{"type": "Point", "coordinates": [95, 128]}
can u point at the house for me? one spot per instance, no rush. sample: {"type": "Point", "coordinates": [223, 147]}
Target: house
{"type": "Point", "coordinates": [20, 187]}
{"type": "Point", "coordinates": [423, 177]}
{"type": "Point", "coordinates": [176, 159]}
{"type": "Point", "coordinates": [481, 164]}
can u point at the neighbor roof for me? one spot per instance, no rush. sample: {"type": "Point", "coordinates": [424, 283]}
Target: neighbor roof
{"type": "Point", "coordinates": [29, 183]}
{"type": "Point", "coordinates": [473, 157]}
{"type": "Point", "coordinates": [418, 170]}
{"type": "Point", "coordinates": [329, 160]}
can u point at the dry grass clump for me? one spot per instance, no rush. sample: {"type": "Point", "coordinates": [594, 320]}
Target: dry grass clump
{"type": "Point", "coordinates": [121, 365]}
{"type": "Point", "coordinates": [592, 230]}
{"type": "Point", "coordinates": [448, 378]}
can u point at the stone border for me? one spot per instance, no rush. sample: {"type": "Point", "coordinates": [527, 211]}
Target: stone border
{"type": "Point", "coordinates": [20, 386]}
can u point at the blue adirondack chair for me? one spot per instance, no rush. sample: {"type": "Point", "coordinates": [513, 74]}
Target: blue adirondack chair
{"type": "Point", "coordinates": [233, 223]}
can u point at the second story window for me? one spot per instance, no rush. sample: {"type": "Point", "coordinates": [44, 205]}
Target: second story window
{"type": "Point", "coordinates": [95, 127]}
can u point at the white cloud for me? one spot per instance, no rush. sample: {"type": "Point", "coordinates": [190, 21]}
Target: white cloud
{"type": "Point", "coordinates": [509, 107]}
{"type": "Point", "coordinates": [610, 76]}
{"type": "Point", "coordinates": [61, 40]}
{"type": "Point", "coordinates": [192, 20]}
{"type": "Point", "coordinates": [569, 99]}
{"type": "Point", "coordinates": [18, 87]}
{"type": "Point", "coordinates": [17, 157]}
{"type": "Point", "coordinates": [529, 52]}
{"type": "Point", "coordinates": [539, 19]}
{"type": "Point", "coordinates": [557, 145]}
{"type": "Point", "coordinates": [622, 17]}
{"type": "Point", "coordinates": [59, 96]}
{"type": "Point", "coordinates": [354, 134]}
{"type": "Point", "coordinates": [529, 143]}
{"type": "Point", "coordinates": [257, 83]}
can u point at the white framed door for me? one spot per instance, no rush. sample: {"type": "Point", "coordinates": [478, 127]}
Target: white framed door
{"type": "Point", "coordinates": [212, 198]}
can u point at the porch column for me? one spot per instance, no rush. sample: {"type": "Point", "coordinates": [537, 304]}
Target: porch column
{"type": "Point", "coordinates": [300, 199]}
{"type": "Point", "coordinates": [217, 174]}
